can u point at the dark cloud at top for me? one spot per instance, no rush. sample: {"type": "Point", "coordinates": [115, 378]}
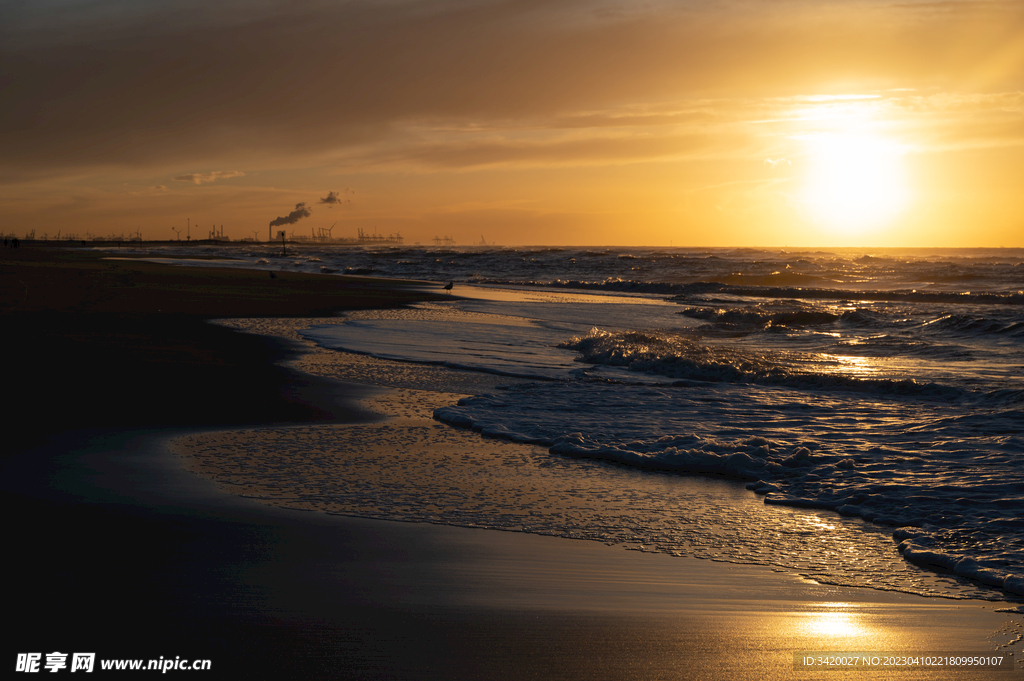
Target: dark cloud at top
{"type": "Point", "coordinates": [142, 84]}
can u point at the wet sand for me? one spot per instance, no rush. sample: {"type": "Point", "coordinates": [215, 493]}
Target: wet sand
{"type": "Point", "coordinates": [108, 520]}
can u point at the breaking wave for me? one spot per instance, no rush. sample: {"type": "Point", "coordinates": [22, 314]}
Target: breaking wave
{"type": "Point", "coordinates": [678, 357]}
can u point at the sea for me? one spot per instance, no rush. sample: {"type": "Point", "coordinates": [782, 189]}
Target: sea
{"type": "Point", "coordinates": [870, 391]}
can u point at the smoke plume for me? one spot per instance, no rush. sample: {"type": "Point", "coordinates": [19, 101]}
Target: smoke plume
{"type": "Point", "coordinates": [300, 212]}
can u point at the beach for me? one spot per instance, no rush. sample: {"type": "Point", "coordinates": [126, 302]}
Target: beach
{"type": "Point", "coordinates": [199, 557]}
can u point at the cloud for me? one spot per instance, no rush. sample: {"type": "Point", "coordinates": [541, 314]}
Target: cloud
{"type": "Point", "coordinates": [538, 149]}
{"type": "Point", "coordinates": [155, 190]}
{"type": "Point", "coordinates": [204, 178]}
{"type": "Point", "coordinates": [333, 199]}
{"type": "Point", "coordinates": [773, 162]}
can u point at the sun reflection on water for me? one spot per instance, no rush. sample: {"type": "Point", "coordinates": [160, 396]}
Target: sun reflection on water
{"type": "Point", "coordinates": [835, 620]}
{"type": "Point", "coordinates": [816, 522]}
{"type": "Point", "coordinates": [845, 365]}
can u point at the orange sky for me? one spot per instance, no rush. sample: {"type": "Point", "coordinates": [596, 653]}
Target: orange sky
{"type": "Point", "coordinates": [691, 123]}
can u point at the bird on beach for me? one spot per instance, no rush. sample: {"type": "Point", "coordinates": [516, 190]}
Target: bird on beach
{"type": "Point", "coordinates": [450, 286]}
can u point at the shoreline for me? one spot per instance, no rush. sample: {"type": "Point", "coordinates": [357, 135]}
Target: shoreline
{"type": "Point", "coordinates": [869, 541]}
{"type": "Point", "coordinates": [403, 410]}
{"type": "Point", "coordinates": [317, 596]}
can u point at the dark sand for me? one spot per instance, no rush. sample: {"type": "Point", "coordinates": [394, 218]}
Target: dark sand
{"type": "Point", "coordinates": [98, 356]}
{"type": "Point", "coordinates": [118, 550]}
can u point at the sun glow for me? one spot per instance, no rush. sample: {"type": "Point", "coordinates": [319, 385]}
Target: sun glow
{"type": "Point", "coordinates": [836, 620]}
{"type": "Point", "coordinates": [855, 183]}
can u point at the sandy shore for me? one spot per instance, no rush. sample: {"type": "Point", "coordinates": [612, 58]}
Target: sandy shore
{"type": "Point", "coordinates": [108, 520]}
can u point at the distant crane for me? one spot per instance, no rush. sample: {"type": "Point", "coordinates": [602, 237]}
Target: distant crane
{"type": "Point", "coordinates": [324, 235]}
{"type": "Point", "coordinates": [391, 239]}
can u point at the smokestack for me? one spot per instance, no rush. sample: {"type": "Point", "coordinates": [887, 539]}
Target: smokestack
{"type": "Point", "coordinates": [300, 212]}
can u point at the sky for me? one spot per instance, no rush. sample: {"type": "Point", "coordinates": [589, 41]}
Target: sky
{"type": "Point", "coordinates": [694, 123]}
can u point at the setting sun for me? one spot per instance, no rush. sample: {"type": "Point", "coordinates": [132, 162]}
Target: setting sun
{"type": "Point", "coordinates": [855, 182]}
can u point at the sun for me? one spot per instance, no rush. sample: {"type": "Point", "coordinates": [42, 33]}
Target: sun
{"type": "Point", "coordinates": [854, 183]}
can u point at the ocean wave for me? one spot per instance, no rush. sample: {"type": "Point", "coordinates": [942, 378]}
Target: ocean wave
{"type": "Point", "coordinates": [776, 313]}
{"type": "Point", "coordinates": [918, 296]}
{"type": "Point", "coordinates": [772, 280]}
{"type": "Point", "coordinates": [896, 345]}
{"type": "Point", "coordinates": [865, 318]}
{"type": "Point", "coordinates": [679, 357]}
{"type": "Point", "coordinates": [796, 314]}
{"type": "Point", "coordinates": [982, 326]}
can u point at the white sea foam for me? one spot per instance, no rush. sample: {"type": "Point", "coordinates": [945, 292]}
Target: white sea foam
{"type": "Point", "coordinates": [960, 490]}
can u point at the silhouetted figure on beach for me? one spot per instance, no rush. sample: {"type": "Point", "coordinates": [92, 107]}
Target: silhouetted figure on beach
{"type": "Point", "coordinates": [450, 286]}
{"type": "Point", "coordinates": [273, 276]}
